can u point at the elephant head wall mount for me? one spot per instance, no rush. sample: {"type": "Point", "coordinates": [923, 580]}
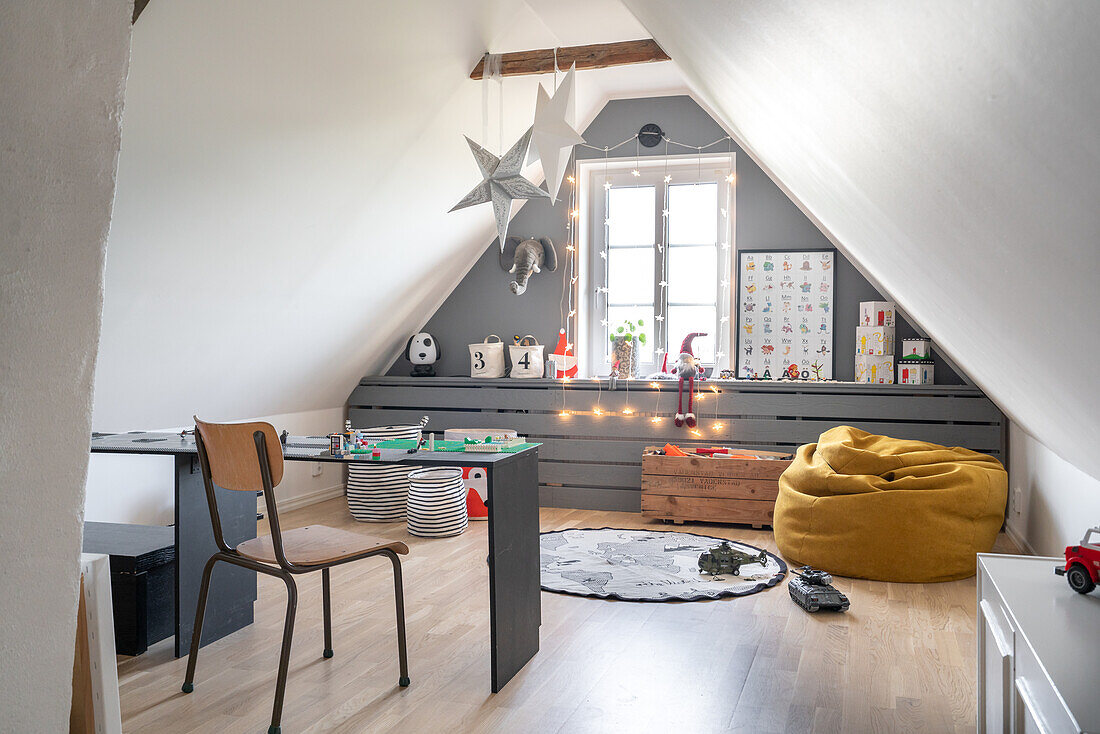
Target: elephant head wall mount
{"type": "Point", "coordinates": [525, 258]}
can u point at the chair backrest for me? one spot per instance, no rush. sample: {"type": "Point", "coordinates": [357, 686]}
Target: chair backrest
{"type": "Point", "coordinates": [231, 453]}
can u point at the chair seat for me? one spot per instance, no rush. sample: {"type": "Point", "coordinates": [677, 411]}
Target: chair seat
{"type": "Point", "coordinates": [317, 545]}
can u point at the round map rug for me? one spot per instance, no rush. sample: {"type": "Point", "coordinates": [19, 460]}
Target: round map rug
{"type": "Point", "coordinates": [645, 565]}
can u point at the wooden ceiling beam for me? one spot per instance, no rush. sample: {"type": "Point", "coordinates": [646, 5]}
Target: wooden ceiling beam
{"type": "Point", "coordinates": [596, 56]}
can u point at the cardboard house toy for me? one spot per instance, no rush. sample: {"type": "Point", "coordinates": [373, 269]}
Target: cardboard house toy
{"type": "Point", "coordinates": [877, 340]}
{"type": "Point", "coordinates": [916, 348]}
{"type": "Point", "coordinates": [912, 372]}
{"type": "Point", "coordinates": [876, 313]}
{"type": "Point", "coordinates": [875, 368]}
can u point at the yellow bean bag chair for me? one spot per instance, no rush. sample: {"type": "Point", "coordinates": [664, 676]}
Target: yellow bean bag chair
{"type": "Point", "coordinates": [874, 507]}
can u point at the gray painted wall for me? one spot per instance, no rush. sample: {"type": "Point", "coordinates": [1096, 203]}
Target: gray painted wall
{"type": "Point", "coordinates": [766, 220]}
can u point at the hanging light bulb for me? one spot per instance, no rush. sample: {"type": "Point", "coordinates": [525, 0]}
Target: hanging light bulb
{"type": "Point", "coordinates": [606, 185]}
{"type": "Point", "coordinates": [570, 179]}
{"type": "Point", "coordinates": [718, 426]}
{"type": "Point", "coordinates": [635, 172]}
{"type": "Point", "coordinates": [628, 411]}
{"type": "Point", "coordinates": [729, 178]}
{"type": "Point", "coordinates": [668, 179]}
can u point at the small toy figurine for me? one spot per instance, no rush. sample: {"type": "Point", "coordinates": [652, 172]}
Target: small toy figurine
{"type": "Point", "coordinates": [687, 369]}
{"type": "Point", "coordinates": [725, 558]}
{"type": "Point", "coordinates": [1082, 569]}
{"type": "Point", "coordinates": [423, 352]}
{"type": "Point", "coordinates": [811, 590]}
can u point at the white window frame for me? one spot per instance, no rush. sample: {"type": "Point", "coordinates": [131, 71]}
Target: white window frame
{"type": "Point", "coordinates": [592, 211]}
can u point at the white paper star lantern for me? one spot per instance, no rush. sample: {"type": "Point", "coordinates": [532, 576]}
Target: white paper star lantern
{"type": "Point", "coordinates": [554, 136]}
{"type": "Point", "coordinates": [501, 182]}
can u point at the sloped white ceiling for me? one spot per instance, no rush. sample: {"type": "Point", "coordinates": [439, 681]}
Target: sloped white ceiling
{"type": "Point", "coordinates": [951, 148]}
{"type": "Point", "coordinates": [280, 224]}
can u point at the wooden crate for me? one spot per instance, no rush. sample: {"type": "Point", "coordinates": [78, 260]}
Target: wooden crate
{"type": "Point", "coordinates": [699, 488]}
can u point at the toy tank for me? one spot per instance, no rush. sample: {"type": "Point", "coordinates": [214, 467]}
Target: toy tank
{"type": "Point", "coordinates": [725, 558]}
{"type": "Point", "coordinates": [811, 589]}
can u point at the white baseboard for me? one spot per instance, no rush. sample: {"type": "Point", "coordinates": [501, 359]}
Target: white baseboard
{"type": "Point", "coordinates": [1019, 540]}
{"type": "Point", "coordinates": [302, 500]}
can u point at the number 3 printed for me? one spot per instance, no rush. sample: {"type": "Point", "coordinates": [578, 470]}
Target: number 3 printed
{"type": "Point", "coordinates": [479, 361]}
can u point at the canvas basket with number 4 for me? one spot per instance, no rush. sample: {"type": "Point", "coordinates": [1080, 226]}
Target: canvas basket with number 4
{"type": "Point", "coordinates": [527, 357]}
{"type": "Point", "coordinates": [487, 358]}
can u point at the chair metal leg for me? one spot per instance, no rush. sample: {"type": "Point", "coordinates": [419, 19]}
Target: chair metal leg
{"type": "Point", "coordinates": [326, 598]}
{"type": "Point", "coordinates": [284, 656]}
{"type": "Point", "coordinates": [196, 633]}
{"type": "Point", "coordinates": [399, 598]}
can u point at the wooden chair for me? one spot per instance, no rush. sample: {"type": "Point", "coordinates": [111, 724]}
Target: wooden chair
{"type": "Point", "coordinates": [248, 457]}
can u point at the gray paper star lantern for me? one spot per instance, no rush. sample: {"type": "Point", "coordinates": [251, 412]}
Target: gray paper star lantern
{"type": "Point", "coordinates": [501, 182]}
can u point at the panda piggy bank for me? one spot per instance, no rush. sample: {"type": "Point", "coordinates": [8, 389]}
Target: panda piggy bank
{"type": "Point", "coordinates": [423, 352]}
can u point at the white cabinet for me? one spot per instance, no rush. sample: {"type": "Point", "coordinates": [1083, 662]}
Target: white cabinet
{"type": "Point", "coordinates": [1038, 649]}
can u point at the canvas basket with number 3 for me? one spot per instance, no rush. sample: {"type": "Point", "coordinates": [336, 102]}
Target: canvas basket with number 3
{"type": "Point", "coordinates": [527, 357]}
{"type": "Point", "coordinates": [487, 358]}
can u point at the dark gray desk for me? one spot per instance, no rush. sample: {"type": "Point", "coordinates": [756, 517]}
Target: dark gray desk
{"type": "Point", "coordinates": [515, 610]}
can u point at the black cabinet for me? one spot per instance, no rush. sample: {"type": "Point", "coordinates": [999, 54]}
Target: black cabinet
{"type": "Point", "coordinates": [143, 580]}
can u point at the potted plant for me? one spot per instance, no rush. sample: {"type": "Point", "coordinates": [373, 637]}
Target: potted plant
{"type": "Point", "coordinates": [625, 339]}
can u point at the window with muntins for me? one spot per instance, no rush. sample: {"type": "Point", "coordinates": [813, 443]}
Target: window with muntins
{"type": "Point", "coordinates": [660, 243]}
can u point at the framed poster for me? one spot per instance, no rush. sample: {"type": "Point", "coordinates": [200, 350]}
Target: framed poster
{"type": "Point", "coordinates": [785, 314]}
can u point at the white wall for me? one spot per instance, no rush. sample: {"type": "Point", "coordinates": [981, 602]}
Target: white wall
{"type": "Point", "coordinates": [951, 149]}
{"type": "Point", "coordinates": [285, 176]}
{"type": "Point", "coordinates": [140, 489]}
{"type": "Point", "coordinates": [1051, 502]}
{"type": "Point", "coordinates": [62, 75]}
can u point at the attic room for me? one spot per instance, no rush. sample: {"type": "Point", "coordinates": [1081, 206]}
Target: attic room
{"type": "Point", "coordinates": [619, 365]}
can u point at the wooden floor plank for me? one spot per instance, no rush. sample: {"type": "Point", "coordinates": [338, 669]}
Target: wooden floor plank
{"type": "Point", "coordinates": [902, 659]}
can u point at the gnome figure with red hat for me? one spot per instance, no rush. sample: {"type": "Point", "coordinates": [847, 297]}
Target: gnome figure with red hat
{"type": "Point", "coordinates": [687, 368]}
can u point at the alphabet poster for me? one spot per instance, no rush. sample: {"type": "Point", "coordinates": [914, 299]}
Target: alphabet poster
{"type": "Point", "coordinates": [785, 315]}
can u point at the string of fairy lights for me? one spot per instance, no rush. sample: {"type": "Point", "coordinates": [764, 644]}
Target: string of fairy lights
{"type": "Point", "coordinates": [568, 308]}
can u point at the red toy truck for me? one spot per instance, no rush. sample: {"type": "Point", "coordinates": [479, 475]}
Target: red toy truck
{"type": "Point", "coordinates": [1082, 569]}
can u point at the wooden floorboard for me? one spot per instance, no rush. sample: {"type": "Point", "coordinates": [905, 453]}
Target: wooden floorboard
{"type": "Point", "coordinates": [902, 659]}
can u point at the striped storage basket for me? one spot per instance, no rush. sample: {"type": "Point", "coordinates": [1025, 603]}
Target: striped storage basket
{"type": "Point", "coordinates": [437, 502]}
{"type": "Point", "coordinates": [377, 492]}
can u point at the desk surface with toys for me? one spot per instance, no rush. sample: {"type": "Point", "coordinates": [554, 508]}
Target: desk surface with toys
{"type": "Point", "coordinates": [316, 448]}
